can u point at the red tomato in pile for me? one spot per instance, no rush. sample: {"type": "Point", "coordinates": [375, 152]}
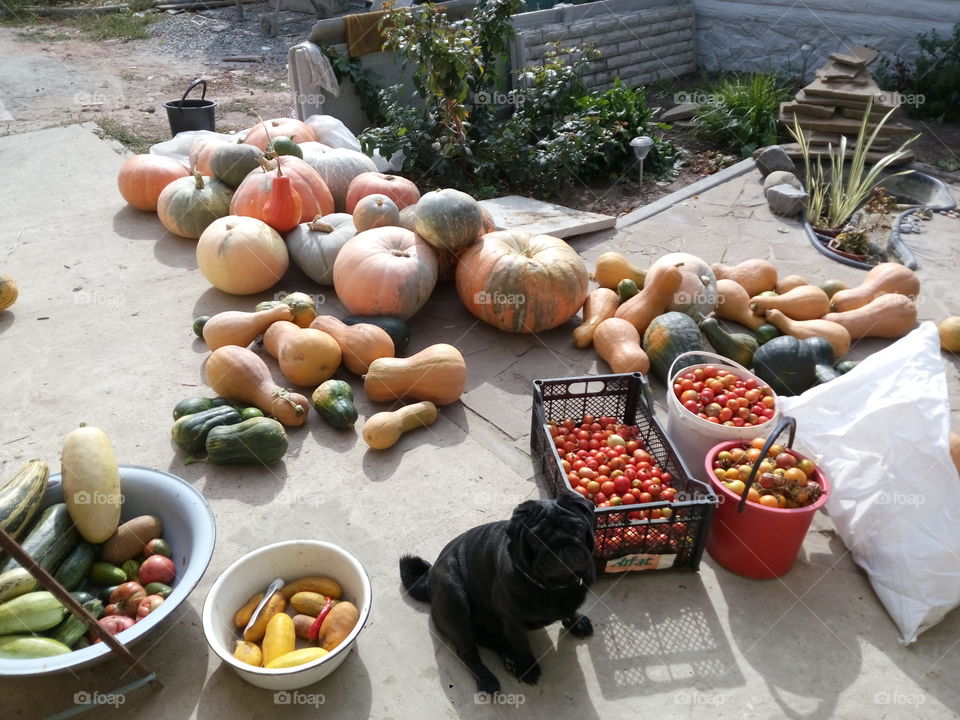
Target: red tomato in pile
{"type": "Point", "coordinates": [715, 395]}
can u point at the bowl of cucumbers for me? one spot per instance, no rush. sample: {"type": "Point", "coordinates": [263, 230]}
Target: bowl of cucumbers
{"type": "Point", "coordinates": [161, 517]}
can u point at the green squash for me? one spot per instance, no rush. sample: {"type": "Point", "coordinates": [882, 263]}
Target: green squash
{"type": "Point", "coordinates": [845, 366]}
{"type": "Point", "coordinates": [232, 162]}
{"type": "Point", "coordinates": [789, 365]}
{"type": "Point", "coordinates": [397, 329]}
{"type": "Point", "coordinates": [739, 347]}
{"type": "Point", "coordinates": [766, 332]}
{"type": "Point", "coordinates": [198, 323]}
{"type": "Point", "coordinates": [282, 145]}
{"type": "Point", "coordinates": [667, 337]}
{"type": "Point", "coordinates": [188, 205]}
{"type": "Point", "coordinates": [626, 289]}
{"type": "Point", "coordinates": [333, 401]}
{"type": "Point", "coordinates": [257, 441]}
{"type": "Point", "coordinates": [190, 431]}
{"type": "Point", "coordinates": [191, 405]}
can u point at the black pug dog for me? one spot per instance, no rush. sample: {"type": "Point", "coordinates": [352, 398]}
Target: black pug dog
{"type": "Point", "coordinates": [493, 583]}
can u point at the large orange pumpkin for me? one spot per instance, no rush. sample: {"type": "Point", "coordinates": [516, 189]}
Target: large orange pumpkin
{"type": "Point", "coordinates": [521, 283]}
{"type": "Point", "coordinates": [252, 193]}
{"type": "Point", "coordinates": [143, 177]}
{"type": "Point", "coordinates": [385, 271]}
{"type": "Point", "coordinates": [241, 255]}
{"type": "Point", "coordinates": [296, 130]}
{"type": "Point", "coordinates": [402, 191]}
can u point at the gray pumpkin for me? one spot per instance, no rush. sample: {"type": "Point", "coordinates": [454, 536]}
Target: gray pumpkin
{"type": "Point", "coordinates": [315, 245]}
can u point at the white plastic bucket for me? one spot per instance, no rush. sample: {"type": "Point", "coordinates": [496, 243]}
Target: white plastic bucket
{"type": "Point", "coordinates": [692, 436]}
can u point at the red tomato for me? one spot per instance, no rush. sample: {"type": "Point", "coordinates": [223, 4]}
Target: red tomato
{"type": "Point", "coordinates": [644, 497]}
{"type": "Point", "coordinates": [629, 499]}
{"type": "Point", "coordinates": [148, 605]}
{"type": "Point", "coordinates": [113, 624]}
{"type": "Point", "coordinates": [668, 494]}
{"type": "Point", "coordinates": [621, 484]}
{"type": "Point", "coordinates": [157, 568]}
{"type": "Point", "coordinates": [608, 488]}
{"type": "Point", "coordinates": [600, 499]}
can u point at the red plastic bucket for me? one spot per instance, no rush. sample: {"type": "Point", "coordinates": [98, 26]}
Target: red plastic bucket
{"type": "Point", "coordinates": [754, 540]}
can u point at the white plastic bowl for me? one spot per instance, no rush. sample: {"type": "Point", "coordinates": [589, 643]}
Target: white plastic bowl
{"type": "Point", "coordinates": [188, 526]}
{"type": "Point", "coordinates": [252, 573]}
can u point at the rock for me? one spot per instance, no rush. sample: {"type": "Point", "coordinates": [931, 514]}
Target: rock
{"type": "Point", "coordinates": [781, 177]}
{"type": "Point", "coordinates": [785, 200]}
{"type": "Point", "coordinates": [683, 111]}
{"type": "Point", "coordinates": [774, 158]}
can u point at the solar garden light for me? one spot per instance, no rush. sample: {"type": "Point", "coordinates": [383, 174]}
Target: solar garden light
{"type": "Point", "coordinates": [641, 146]}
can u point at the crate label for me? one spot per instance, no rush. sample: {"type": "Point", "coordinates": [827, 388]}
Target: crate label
{"type": "Point", "coordinates": [640, 561]}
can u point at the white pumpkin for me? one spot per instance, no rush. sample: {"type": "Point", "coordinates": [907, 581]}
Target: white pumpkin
{"type": "Point", "coordinates": [315, 245]}
{"type": "Point", "coordinates": [338, 167]}
{"type": "Point", "coordinates": [697, 296]}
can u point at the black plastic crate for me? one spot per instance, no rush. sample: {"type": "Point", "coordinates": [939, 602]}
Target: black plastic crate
{"type": "Point", "coordinates": [622, 543]}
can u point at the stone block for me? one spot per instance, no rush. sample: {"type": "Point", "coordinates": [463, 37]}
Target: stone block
{"type": "Point", "coordinates": [781, 177]}
{"type": "Point", "coordinates": [774, 158]}
{"type": "Point", "coordinates": [785, 200]}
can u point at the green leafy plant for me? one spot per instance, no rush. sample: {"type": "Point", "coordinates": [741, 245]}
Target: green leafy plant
{"type": "Point", "coordinates": [740, 113]}
{"type": "Point", "coordinates": [932, 84]}
{"type": "Point", "coordinates": [364, 81]}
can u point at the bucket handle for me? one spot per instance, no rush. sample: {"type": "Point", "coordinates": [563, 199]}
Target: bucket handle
{"type": "Point", "coordinates": [785, 422]}
{"type": "Point", "coordinates": [704, 353]}
{"type": "Point", "coordinates": [203, 94]}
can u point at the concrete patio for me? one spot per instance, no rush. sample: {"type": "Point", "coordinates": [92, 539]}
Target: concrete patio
{"type": "Point", "coordinates": [101, 334]}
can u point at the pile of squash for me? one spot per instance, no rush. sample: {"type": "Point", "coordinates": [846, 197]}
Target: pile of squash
{"type": "Point", "coordinates": [640, 320]}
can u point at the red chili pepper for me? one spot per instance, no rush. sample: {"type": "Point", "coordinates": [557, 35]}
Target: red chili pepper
{"type": "Point", "coordinates": [314, 630]}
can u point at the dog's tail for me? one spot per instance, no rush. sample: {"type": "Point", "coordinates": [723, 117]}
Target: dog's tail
{"type": "Point", "coordinates": [413, 575]}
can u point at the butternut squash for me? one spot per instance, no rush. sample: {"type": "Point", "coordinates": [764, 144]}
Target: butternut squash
{"type": "Point", "coordinates": [832, 332]}
{"type": "Point", "coordinates": [955, 449]}
{"type": "Point", "coordinates": [733, 303]}
{"type": "Point", "coordinates": [805, 302]}
{"type": "Point", "coordinates": [612, 267]}
{"type": "Point", "coordinates": [600, 304]}
{"type": "Point", "coordinates": [234, 327]}
{"type": "Point", "coordinates": [755, 276]}
{"type": "Point", "coordinates": [360, 344]}
{"type": "Point", "coordinates": [306, 356]}
{"type": "Point", "coordinates": [240, 374]}
{"type": "Point", "coordinates": [881, 279]}
{"type": "Point", "coordinates": [437, 373]}
{"type": "Point", "coordinates": [886, 316]}
{"type": "Point", "coordinates": [785, 285]}
{"type": "Point", "coordinates": [383, 430]}
{"type": "Point", "coordinates": [618, 342]}
{"type": "Point", "coordinates": [653, 300]}
{"type": "Point", "coordinates": [950, 334]}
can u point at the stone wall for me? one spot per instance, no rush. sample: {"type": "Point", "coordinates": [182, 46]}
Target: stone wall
{"type": "Point", "coordinates": [764, 35]}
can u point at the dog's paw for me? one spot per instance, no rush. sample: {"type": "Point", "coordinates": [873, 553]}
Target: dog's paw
{"type": "Point", "coordinates": [530, 673]}
{"type": "Point", "coordinates": [487, 683]}
{"type": "Point", "coordinates": [579, 627]}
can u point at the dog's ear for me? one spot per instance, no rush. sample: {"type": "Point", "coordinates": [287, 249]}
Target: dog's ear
{"type": "Point", "coordinates": [525, 515]}
{"type": "Point", "coordinates": [579, 504]}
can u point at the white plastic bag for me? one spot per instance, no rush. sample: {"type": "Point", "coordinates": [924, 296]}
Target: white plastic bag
{"type": "Point", "coordinates": [331, 131]}
{"type": "Point", "coordinates": [880, 432]}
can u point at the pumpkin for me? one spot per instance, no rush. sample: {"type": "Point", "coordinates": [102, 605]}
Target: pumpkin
{"type": "Point", "coordinates": [520, 282]}
{"type": "Point", "coordinates": [804, 302]}
{"type": "Point", "coordinates": [739, 347]}
{"type": "Point", "coordinates": [955, 449]}
{"type": "Point", "coordinates": [788, 283]}
{"type": "Point", "coordinates": [252, 193]}
{"type": "Point", "coordinates": [261, 133]}
{"type": "Point", "coordinates": [408, 218]}
{"type": "Point", "coordinates": [949, 328]}
{"type": "Point", "coordinates": [306, 356]}
{"type": "Point", "coordinates": [832, 287]}
{"type": "Point", "coordinates": [373, 211]}
{"type": "Point", "coordinates": [240, 374]}
{"type": "Point", "coordinates": [403, 192]}
{"type": "Point", "coordinates": [489, 224]}
{"type": "Point", "coordinates": [733, 303]}
{"type": "Point", "coordinates": [882, 278]}
{"type": "Point", "coordinates": [600, 304]}
{"type": "Point", "coordinates": [667, 337]}
{"type": "Point", "coordinates": [755, 276]}
{"type": "Point", "coordinates": [697, 294]}
{"type": "Point", "coordinates": [788, 364]}
{"type": "Point", "coordinates": [338, 167]}
{"type": "Point", "coordinates": [333, 401]}
{"type": "Point", "coordinates": [618, 342]}
{"type": "Point", "coordinates": [612, 267]}
{"type": "Point", "coordinates": [654, 299]}
{"type": "Point", "coordinates": [314, 246]}
{"type": "Point", "coordinates": [188, 205]}
{"type": "Point", "coordinates": [232, 162]}
{"type": "Point", "coordinates": [302, 307]}
{"type": "Point", "coordinates": [834, 333]}
{"type": "Point", "coordinates": [234, 327]}
{"type": "Point", "coordinates": [202, 151]}
{"type": "Point", "coordinates": [891, 315]}
{"type": "Point", "coordinates": [626, 289]}
{"type": "Point", "coordinates": [241, 255]}
{"type": "Point", "coordinates": [449, 219]}
{"type": "Point", "coordinates": [385, 271]}
{"type": "Point", "coordinates": [143, 177]}
{"type": "Point", "coordinates": [437, 373]}
{"type": "Point", "coordinates": [383, 430]}
{"type": "Point", "coordinates": [283, 207]}
{"type": "Point", "coordinates": [8, 291]}
{"type": "Point", "coordinates": [360, 344]}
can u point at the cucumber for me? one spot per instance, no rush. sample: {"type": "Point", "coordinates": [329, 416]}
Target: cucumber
{"type": "Point", "coordinates": [255, 441]}
{"type": "Point", "coordinates": [131, 568]}
{"type": "Point", "coordinates": [77, 566]}
{"type": "Point", "coordinates": [73, 628]}
{"type": "Point", "coordinates": [159, 588]}
{"type": "Point", "coordinates": [32, 612]}
{"type": "Point", "coordinates": [106, 574]}
{"type": "Point", "coordinates": [14, 583]}
{"type": "Point", "coordinates": [191, 405]}
{"type": "Point", "coordinates": [20, 498]}
{"type": "Point", "coordinates": [26, 647]}
{"type": "Point", "coordinates": [190, 431]}
{"type": "Point", "coordinates": [50, 539]}
{"type": "Point", "coordinates": [396, 328]}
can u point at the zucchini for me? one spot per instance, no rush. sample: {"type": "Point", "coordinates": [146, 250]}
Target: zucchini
{"type": "Point", "coordinates": [73, 628]}
{"type": "Point", "coordinates": [14, 583]}
{"type": "Point", "coordinates": [53, 536]}
{"type": "Point", "coordinates": [333, 401]}
{"type": "Point", "coordinates": [191, 405]}
{"type": "Point", "coordinates": [825, 374]}
{"type": "Point", "coordinates": [106, 574]}
{"type": "Point", "coordinates": [105, 592]}
{"type": "Point", "coordinates": [396, 328]}
{"type": "Point", "coordinates": [81, 596]}
{"type": "Point", "coordinates": [20, 498]}
{"type": "Point", "coordinates": [77, 566]}
{"type": "Point", "coordinates": [32, 612]}
{"type": "Point", "coordinates": [91, 483]}
{"type": "Point", "coordinates": [255, 441]}
{"type": "Point", "coordinates": [190, 431]}
{"type": "Point", "coordinates": [845, 366]}
{"type": "Point", "coordinates": [27, 647]}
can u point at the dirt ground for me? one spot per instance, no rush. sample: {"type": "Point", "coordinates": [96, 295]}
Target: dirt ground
{"type": "Point", "coordinates": [55, 74]}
